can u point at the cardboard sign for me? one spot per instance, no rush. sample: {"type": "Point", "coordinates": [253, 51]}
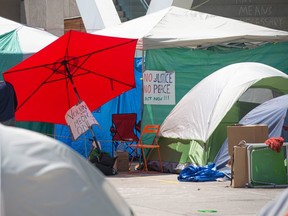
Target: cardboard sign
{"type": "Point", "coordinates": [79, 118]}
{"type": "Point", "coordinates": [159, 87]}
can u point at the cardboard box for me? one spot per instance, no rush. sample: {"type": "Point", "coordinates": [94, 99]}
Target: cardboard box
{"type": "Point", "coordinates": [249, 133]}
{"type": "Point", "coordinates": [122, 162]}
{"type": "Point", "coordinates": [239, 167]}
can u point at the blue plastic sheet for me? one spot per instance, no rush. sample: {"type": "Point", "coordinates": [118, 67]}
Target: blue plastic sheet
{"type": "Point", "coordinates": [129, 102]}
{"type": "Point", "coordinates": [194, 173]}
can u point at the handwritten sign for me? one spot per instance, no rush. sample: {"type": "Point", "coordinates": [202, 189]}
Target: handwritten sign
{"type": "Point", "coordinates": [79, 118]}
{"type": "Point", "coordinates": [159, 87]}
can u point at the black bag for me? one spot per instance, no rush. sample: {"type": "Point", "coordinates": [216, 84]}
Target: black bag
{"type": "Point", "coordinates": [106, 170]}
{"type": "Point", "coordinates": [105, 163]}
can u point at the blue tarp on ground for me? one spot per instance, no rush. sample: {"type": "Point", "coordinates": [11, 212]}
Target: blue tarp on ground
{"type": "Point", "coordinates": [194, 173]}
{"type": "Point", "coordinates": [125, 103]}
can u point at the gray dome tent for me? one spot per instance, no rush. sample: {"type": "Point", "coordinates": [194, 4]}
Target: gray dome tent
{"type": "Point", "coordinates": [274, 113]}
{"type": "Point", "coordinates": [42, 176]}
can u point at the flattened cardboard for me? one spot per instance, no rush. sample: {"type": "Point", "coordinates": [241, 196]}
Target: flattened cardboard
{"type": "Point", "coordinates": [239, 167]}
{"type": "Point", "coordinates": [248, 133]}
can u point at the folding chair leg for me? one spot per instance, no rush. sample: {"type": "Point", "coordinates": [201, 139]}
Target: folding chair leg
{"type": "Point", "coordinates": [160, 161]}
{"type": "Point", "coordinates": [145, 160]}
{"type": "Point", "coordinates": [159, 156]}
{"type": "Point", "coordinates": [132, 159]}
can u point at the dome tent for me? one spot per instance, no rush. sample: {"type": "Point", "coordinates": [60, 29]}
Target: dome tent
{"type": "Point", "coordinates": [195, 129]}
{"type": "Point", "coordinates": [273, 113]}
{"type": "Point", "coordinates": [42, 176]}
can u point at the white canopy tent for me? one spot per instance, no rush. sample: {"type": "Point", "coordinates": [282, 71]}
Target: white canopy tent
{"type": "Point", "coordinates": [31, 40]}
{"type": "Point", "coordinates": [178, 27]}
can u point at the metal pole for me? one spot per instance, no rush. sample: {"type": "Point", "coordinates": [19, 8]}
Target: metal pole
{"type": "Point", "coordinates": [70, 77]}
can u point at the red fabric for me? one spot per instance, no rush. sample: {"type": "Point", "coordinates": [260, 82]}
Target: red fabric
{"type": "Point", "coordinates": [101, 67]}
{"type": "Point", "coordinates": [124, 125]}
{"type": "Point", "coordinates": [275, 143]}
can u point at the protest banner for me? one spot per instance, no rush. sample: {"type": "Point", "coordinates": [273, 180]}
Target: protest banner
{"type": "Point", "coordinates": [159, 87]}
{"type": "Point", "coordinates": [80, 119]}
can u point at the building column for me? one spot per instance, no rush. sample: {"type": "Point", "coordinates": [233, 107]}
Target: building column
{"type": "Point", "coordinates": [46, 14]}
{"type": "Point", "coordinates": [98, 14]}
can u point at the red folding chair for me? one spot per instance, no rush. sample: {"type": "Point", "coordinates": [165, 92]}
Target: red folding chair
{"type": "Point", "coordinates": [123, 131]}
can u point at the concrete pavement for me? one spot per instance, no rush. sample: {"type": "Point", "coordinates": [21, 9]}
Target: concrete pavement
{"type": "Point", "coordinates": [159, 194]}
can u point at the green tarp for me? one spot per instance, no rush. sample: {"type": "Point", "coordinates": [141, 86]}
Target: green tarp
{"type": "Point", "coordinates": [191, 66]}
{"type": "Point", "coordinates": [10, 51]}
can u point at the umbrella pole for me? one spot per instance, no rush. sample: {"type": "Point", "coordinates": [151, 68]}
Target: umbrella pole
{"type": "Point", "coordinates": [95, 139]}
{"type": "Point", "coordinates": [99, 153]}
{"type": "Point", "coordinates": [79, 101]}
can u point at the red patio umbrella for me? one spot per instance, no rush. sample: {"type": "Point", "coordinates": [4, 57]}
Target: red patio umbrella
{"type": "Point", "coordinates": [76, 67]}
